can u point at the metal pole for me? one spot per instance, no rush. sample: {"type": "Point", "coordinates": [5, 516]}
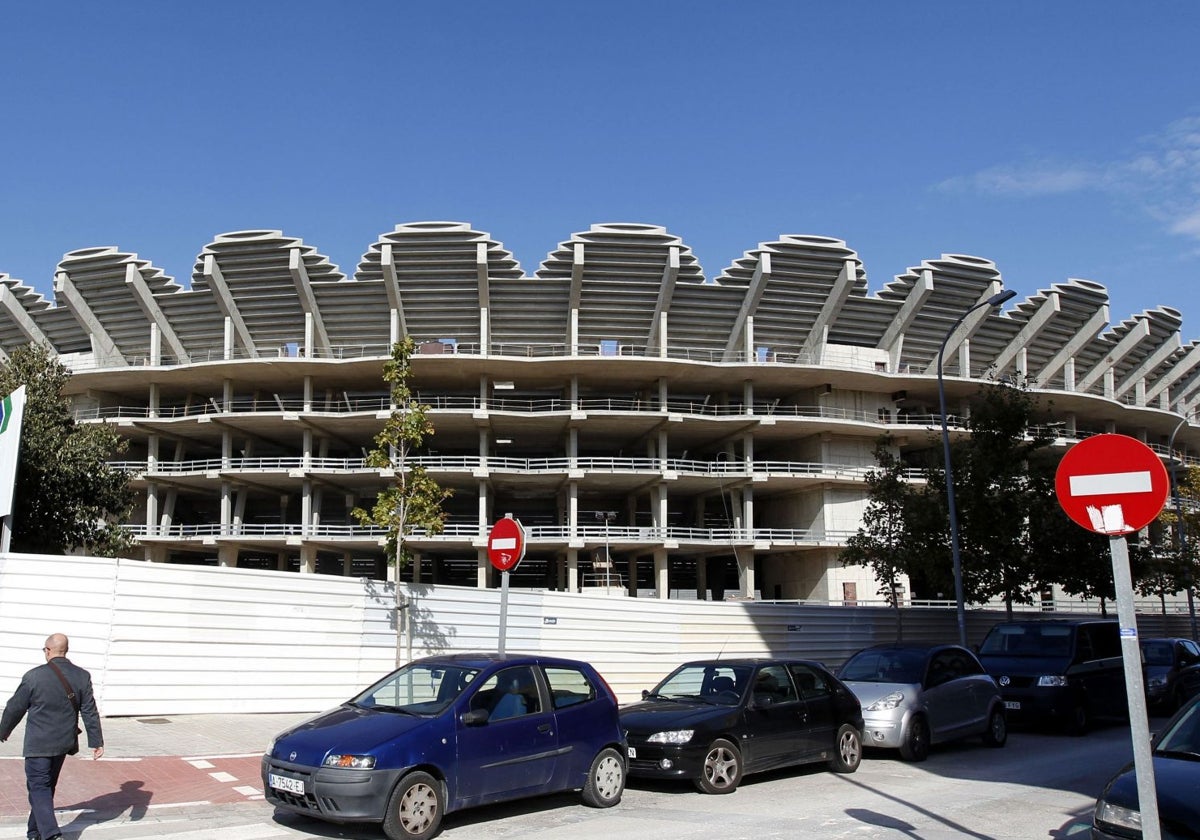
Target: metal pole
{"type": "Point", "coordinates": [1180, 531]}
{"type": "Point", "coordinates": [1139, 724]}
{"type": "Point", "coordinates": [955, 554]}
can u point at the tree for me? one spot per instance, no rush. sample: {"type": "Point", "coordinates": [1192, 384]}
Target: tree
{"type": "Point", "coordinates": [1166, 559]}
{"type": "Point", "coordinates": [414, 502]}
{"type": "Point", "coordinates": [67, 497]}
{"type": "Point", "coordinates": [1000, 488]}
{"type": "Point", "coordinates": [880, 542]}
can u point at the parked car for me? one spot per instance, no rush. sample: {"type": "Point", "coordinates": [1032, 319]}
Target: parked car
{"type": "Point", "coordinates": [451, 732]}
{"type": "Point", "coordinates": [715, 721]}
{"type": "Point", "coordinates": [1058, 672]}
{"type": "Point", "coordinates": [915, 695]}
{"type": "Point", "coordinates": [1172, 669]}
{"type": "Point", "coordinates": [1176, 757]}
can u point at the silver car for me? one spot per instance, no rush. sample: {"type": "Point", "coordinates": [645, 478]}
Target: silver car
{"type": "Point", "coordinates": [915, 695]}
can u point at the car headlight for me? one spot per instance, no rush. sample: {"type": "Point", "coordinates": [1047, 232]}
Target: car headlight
{"type": "Point", "coordinates": [1107, 812]}
{"type": "Point", "coordinates": [1052, 681]}
{"type": "Point", "coordinates": [1159, 681]}
{"type": "Point", "coordinates": [673, 736]}
{"type": "Point", "coordinates": [891, 701]}
{"type": "Point", "coordinates": [351, 762]}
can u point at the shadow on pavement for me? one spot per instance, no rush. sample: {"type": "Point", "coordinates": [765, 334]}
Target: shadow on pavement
{"type": "Point", "coordinates": [131, 796]}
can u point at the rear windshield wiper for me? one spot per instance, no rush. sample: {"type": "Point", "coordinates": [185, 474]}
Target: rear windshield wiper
{"type": "Point", "coordinates": [1186, 755]}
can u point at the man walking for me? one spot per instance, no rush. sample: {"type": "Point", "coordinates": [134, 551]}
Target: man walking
{"type": "Point", "coordinates": [55, 695]}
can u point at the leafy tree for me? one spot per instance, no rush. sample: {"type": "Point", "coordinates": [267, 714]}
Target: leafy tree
{"type": "Point", "coordinates": [881, 542]}
{"type": "Point", "coordinates": [1167, 558]}
{"type": "Point", "coordinates": [999, 490]}
{"type": "Point", "coordinates": [67, 497]}
{"type": "Point", "coordinates": [414, 502]}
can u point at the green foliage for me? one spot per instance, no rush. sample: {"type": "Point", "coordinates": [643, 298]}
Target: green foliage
{"type": "Point", "coordinates": [414, 502]}
{"type": "Point", "coordinates": [67, 497]}
{"type": "Point", "coordinates": [881, 542]}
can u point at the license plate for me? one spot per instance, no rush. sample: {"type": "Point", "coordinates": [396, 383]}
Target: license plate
{"type": "Point", "coordinates": [1015, 705]}
{"type": "Point", "coordinates": [631, 752]}
{"type": "Point", "coordinates": [284, 783]}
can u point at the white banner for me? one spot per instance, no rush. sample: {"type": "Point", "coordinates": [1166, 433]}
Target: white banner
{"type": "Point", "coordinates": [12, 409]}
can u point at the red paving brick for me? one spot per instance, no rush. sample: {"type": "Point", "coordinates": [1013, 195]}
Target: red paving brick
{"type": "Point", "coordinates": [110, 787]}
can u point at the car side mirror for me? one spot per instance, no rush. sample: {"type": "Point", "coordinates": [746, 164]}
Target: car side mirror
{"type": "Point", "coordinates": [645, 693]}
{"type": "Point", "coordinates": [475, 717]}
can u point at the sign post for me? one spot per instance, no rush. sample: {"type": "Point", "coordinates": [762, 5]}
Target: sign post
{"type": "Point", "coordinates": [505, 547]}
{"type": "Point", "coordinates": [1114, 485]}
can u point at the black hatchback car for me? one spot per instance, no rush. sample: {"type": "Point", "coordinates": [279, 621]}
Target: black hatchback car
{"type": "Point", "coordinates": [715, 721]}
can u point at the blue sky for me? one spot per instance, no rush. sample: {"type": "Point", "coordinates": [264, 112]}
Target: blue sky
{"type": "Point", "coordinates": [1059, 139]}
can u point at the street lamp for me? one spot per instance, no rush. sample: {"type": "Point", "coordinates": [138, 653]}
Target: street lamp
{"type": "Point", "coordinates": [995, 300]}
{"type": "Point", "coordinates": [1179, 532]}
{"type": "Point", "coordinates": [608, 516]}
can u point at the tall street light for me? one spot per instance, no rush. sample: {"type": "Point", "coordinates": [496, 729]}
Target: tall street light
{"type": "Point", "coordinates": [1179, 529]}
{"type": "Point", "coordinates": [995, 300]}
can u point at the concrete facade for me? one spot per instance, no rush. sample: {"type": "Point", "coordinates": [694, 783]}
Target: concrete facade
{"type": "Point", "coordinates": [709, 434]}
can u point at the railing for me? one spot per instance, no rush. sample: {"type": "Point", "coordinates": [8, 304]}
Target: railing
{"type": "Point", "coordinates": [477, 535]}
{"type": "Point", "coordinates": [471, 463]}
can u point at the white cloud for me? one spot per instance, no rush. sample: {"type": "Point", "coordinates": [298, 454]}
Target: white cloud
{"type": "Point", "coordinates": [1161, 177]}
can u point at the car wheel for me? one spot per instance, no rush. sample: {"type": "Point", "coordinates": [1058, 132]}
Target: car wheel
{"type": "Point", "coordinates": [997, 729]}
{"type": "Point", "coordinates": [847, 750]}
{"type": "Point", "coordinates": [722, 769]}
{"type": "Point", "coordinates": [415, 808]}
{"type": "Point", "coordinates": [915, 746]}
{"type": "Point", "coordinates": [1078, 720]}
{"type": "Point", "coordinates": [605, 780]}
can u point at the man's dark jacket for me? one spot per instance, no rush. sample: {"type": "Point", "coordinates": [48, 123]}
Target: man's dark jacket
{"type": "Point", "coordinates": [50, 729]}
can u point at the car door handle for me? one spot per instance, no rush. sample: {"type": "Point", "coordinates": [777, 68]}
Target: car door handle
{"type": "Point", "coordinates": [544, 728]}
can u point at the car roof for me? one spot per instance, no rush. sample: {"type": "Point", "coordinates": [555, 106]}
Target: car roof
{"type": "Point", "coordinates": [1030, 622]}
{"type": "Point", "coordinates": [752, 661]}
{"type": "Point", "coordinates": [482, 659]}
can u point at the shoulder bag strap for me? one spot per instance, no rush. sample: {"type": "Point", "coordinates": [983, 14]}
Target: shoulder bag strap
{"type": "Point", "coordinates": [67, 686]}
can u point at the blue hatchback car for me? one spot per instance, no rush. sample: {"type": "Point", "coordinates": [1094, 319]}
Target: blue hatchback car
{"type": "Point", "coordinates": [451, 732]}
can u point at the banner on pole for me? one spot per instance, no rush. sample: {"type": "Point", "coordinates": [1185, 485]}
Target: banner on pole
{"type": "Point", "coordinates": [12, 410]}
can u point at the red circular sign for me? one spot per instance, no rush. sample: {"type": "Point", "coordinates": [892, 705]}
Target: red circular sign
{"type": "Point", "coordinates": [506, 543]}
{"type": "Point", "coordinates": [1111, 484]}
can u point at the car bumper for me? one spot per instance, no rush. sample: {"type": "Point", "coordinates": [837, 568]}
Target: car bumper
{"type": "Point", "coordinates": [1038, 705]}
{"type": "Point", "coordinates": [665, 761]}
{"type": "Point", "coordinates": [881, 731]}
{"type": "Point", "coordinates": [328, 793]}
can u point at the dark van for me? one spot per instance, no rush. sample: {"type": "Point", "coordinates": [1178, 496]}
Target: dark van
{"type": "Point", "coordinates": [1063, 673]}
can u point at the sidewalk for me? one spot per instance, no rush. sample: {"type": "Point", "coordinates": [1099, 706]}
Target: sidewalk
{"type": "Point", "coordinates": [150, 763]}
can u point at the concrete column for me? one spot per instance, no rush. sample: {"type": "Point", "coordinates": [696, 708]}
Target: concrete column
{"type": "Point", "coordinates": [745, 563]}
{"type": "Point", "coordinates": [572, 570]}
{"type": "Point", "coordinates": [227, 556]}
{"type": "Point", "coordinates": [483, 569]}
{"type": "Point", "coordinates": [661, 582]}
{"type": "Point", "coordinates": [347, 564]}
{"type": "Point", "coordinates": [701, 578]}
{"type": "Point", "coordinates": [631, 585]}
{"type": "Point", "coordinates": [416, 567]}
{"type": "Point", "coordinates": [308, 559]}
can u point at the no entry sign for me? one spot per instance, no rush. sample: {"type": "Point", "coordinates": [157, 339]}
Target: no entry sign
{"type": "Point", "coordinates": [506, 544]}
{"type": "Point", "coordinates": [1111, 484]}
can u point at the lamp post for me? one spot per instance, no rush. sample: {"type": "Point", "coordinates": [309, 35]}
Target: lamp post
{"type": "Point", "coordinates": [960, 607]}
{"type": "Point", "coordinates": [608, 516]}
{"type": "Point", "coordinates": [1179, 529]}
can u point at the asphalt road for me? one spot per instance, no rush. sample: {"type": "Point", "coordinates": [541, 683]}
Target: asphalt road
{"type": "Point", "coordinates": [1038, 786]}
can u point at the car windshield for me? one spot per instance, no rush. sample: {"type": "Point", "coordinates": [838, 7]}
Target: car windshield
{"type": "Point", "coordinates": [885, 666]}
{"type": "Point", "coordinates": [1182, 740]}
{"type": "Point", "coordinates": [417, 688]}
{"type": "Point", "coordinates": [1157, 653]}
{"type": "Point", "coordinates": [1027, 640]}
{"type": "Point", "coordinates": [715, 683]}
